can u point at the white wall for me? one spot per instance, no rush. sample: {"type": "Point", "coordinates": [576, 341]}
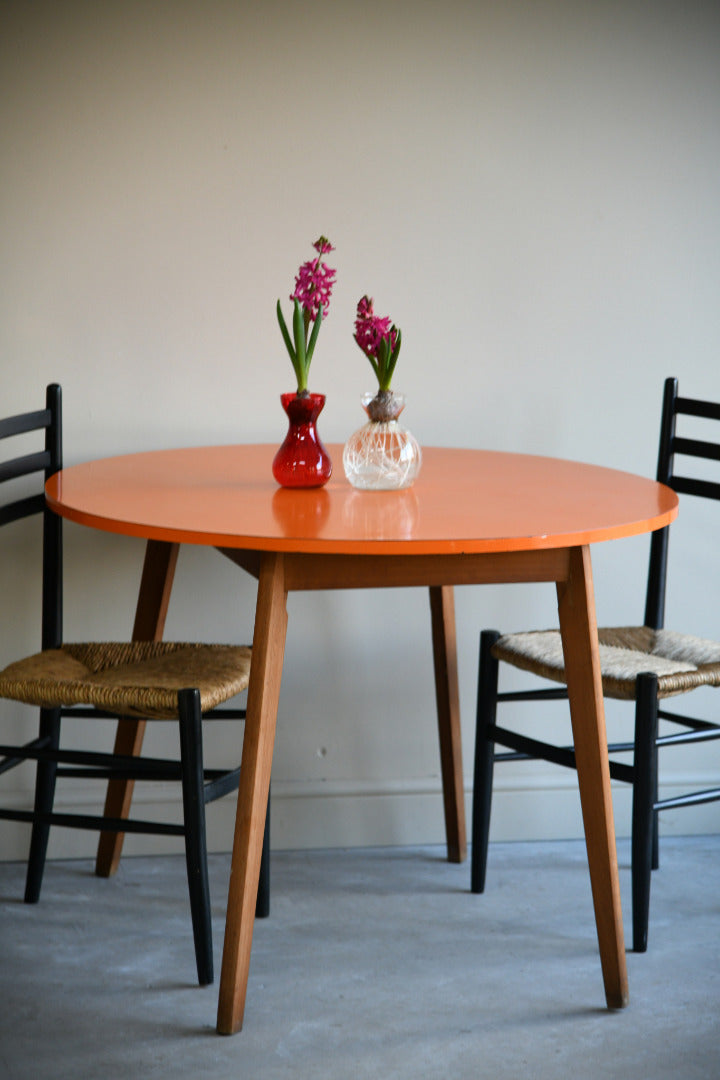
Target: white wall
{"type": "Point", "coordinates": [529, 189]}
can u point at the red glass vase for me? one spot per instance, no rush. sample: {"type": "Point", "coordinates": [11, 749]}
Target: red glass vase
{"type": "Point", "coordinates": [302, 461]}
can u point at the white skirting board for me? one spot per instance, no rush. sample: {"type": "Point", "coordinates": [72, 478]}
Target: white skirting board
{"type": "Point", "coordinates": [352, 814]}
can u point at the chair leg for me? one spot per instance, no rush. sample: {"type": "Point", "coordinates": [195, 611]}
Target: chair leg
{"type": "Point", "coordinates": [191, 755]}
{"type": "Point", "coordinates": [484, 759]}
{"type": "Point", "coordinates": [44, 798]}
{"type": "Point", "coordinates": [262, 904]}
{"type": "Point", "coordinates": [644, 816]}
{"type": "Point", "coordinates": [656, 831]}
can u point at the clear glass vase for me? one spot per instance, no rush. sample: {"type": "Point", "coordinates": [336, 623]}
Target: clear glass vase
{"type": "Point", "coordinates": [382, 455]}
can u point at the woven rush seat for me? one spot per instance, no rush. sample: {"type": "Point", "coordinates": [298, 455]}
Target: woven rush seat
{"type": "Point", "coordinates": [139, 679]}
{"type": "Point", "coordinates": [680, 661]}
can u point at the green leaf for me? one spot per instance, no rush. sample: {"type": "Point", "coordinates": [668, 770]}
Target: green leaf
{"type": "Point", "coordinates": [285, 334]}
{"type": "Point", "coordinates": [376, 369]}
{"type": "Point", "coordinates": [382, 359]}
{"type": "Point", "coordinates": [394, 358]}
{"type": "Point", "coordinates": [313, 337]}
{"type": "Point", "coordinates": [299, 333]}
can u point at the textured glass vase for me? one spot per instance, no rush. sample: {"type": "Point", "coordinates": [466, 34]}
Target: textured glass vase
{"type": "Point", "coordinates": [382, 455]}
{"type": "Point", "coordinates": [302, 461]}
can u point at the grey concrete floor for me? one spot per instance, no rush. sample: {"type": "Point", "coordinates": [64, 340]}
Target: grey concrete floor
{"type": "Point", "coordinates": [373, 963]}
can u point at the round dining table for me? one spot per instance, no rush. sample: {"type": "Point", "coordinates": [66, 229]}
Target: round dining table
{"type": "Point", "coordinates": [472, 517]}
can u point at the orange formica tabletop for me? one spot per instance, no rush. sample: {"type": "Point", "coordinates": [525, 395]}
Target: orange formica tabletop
{"type": "Point", "coordinates": [464, 501]}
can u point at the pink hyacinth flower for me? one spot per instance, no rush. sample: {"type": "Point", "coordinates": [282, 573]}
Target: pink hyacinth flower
{"type": "Point", "coordinates": [371, 329]}
{"type": "Point", "coordinates": [323, 245]}
{"type": "Point", "coordinates": [314, 282]}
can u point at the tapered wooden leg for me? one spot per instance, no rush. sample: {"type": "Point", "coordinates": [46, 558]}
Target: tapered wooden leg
{"type": "Point", "coordinates": [153, 599]}
{"type": "Point", "coordinates": [255, 767]}
{"type": "Point", "coordinates": [442, 608]}
{"type": "Point", "coordinates": [578, 627]}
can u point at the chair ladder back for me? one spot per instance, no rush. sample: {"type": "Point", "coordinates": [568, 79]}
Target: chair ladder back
{"type": "Point", "coordinates": [696, 448]}
{"type": "Point", "coordinates": [671, 445]}
{"type": "Point", "coordinates": [47, 461]}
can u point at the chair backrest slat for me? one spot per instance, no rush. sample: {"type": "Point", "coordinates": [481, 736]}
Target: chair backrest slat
{"type": "Point", "coordinates": [21, 508]}
{"type": "Point", "coordinates": [693, 407]}
{"type": "Point", "coordinates": [706, 489]}
{"type": "Point", "coordinates": [672, 445]}
{"type": "Point", "coordinates": [31, 421]}
{"type": "Point", "coordinates": [24, 466]}
{"type": "Point", "coordinates": [696, 448]}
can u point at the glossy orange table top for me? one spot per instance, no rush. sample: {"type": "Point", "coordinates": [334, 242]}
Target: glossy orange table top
{"type": "Point", "coordinates": [463, 501]}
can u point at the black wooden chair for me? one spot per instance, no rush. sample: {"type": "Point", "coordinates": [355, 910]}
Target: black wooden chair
{"type": "Point", "coordinates": [111, 680]}
{"type": "Point", "coordinates": [643, 664]}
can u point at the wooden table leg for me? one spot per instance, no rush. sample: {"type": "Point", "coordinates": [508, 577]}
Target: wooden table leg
{"type": "Point", "coordinates": [578, 627]}
{"type": "Point", "coordinates": [442, 608]}
{"type": "Point", "coordinates": [153, 599]}
{"type": "Point", "coordinates": [255, 767]}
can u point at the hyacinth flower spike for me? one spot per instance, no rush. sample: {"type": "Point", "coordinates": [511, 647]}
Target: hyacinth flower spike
{"type": "Point", "coordinates": [311, 297]}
